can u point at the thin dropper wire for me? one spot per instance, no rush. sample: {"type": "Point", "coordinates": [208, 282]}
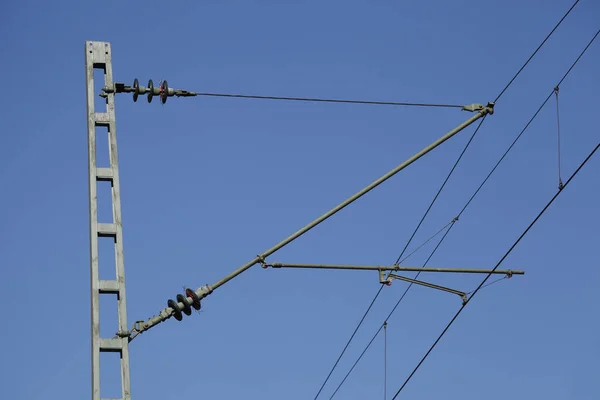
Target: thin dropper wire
{"type": "Point", "coordinates": [389, 315]}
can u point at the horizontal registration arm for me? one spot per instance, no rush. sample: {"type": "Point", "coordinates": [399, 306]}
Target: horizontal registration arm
{"type": "Point", "coordinates": [397, 268]}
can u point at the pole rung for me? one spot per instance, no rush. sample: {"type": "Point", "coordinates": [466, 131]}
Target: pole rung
{"type": "Point", "coordinates": [109, 286]}
{"type": "Point", "coordinates": [101, 118]}
{"type": "Point", "coordinates": [111, 345]}
{"type": "Point", "coordinates": [107, 230]}
{"type": "Point", "coordinates": [104, 174]}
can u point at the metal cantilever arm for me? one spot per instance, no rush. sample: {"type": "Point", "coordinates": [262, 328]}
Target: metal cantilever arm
{"type": "Point", "coordinates": [176, 307]}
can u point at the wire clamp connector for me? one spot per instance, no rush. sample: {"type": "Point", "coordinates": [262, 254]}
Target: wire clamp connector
{"type": "Point", "coordinates": [262, 261]}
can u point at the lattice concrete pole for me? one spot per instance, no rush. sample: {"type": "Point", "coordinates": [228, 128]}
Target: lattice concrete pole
{"type": "Point", "coordinates": [98, 56]}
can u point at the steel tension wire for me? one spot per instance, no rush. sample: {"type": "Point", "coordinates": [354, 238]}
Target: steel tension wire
{"type": "Point", "coordinates": [164, 91]}
{"type": "Point", "coordinates": [322, 100]}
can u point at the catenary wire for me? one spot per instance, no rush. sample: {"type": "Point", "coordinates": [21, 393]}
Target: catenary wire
{"type": "Point", "coordinates": [536, 50]}
{"type": "Point", "coordinates": [321, 100]}
{"type": "Point", "coordinates": [485, 180]}
{"type": "Point", "coordinates": [479, 189]}
{"type": "Point", "coordinates": [496, 267]}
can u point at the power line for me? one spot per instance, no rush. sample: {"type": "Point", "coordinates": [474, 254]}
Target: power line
{"type": "Point", "coordinates": [472, 197]}
{"type": "Point", "coordinates": [486, 179]}
{"type": "Point", "coordinates": [497, 265]}
{"type": "Point", "coordinates": [321, 100]}
{"type": "Point", "coordinates": [536, 50]}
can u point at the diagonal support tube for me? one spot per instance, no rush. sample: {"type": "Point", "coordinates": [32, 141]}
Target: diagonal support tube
{"type": "Point", "coordinates": [462, 295]}
{"type": "Point", "coordinates": [204, 291]}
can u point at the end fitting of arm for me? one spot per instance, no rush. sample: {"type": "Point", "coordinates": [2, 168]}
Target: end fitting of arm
{"type": "Point", "coordinates": [488, 109]}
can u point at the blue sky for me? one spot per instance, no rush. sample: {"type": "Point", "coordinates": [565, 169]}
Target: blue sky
{"type": "Point", "coordinates": [209, 183]}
